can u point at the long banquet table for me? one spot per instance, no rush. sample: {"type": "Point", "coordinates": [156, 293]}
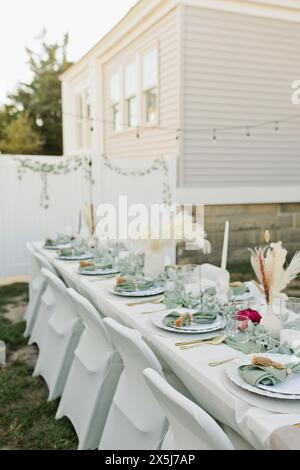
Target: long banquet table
{"type": "Point", "coordinates": [207, 385]}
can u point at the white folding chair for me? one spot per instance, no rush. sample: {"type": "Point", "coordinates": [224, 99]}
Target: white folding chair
{"type": "Point", "coordinates": [92, 379]}
{"type": "Point", "coordinates": [71, 279]}
{"type": "Point", "coordinates": [38, 292]}
{"type": "Point", "coordinates": [190, 427]}
{"type": "Point", "coordinates": [134, 420]}
{"type": "Point", "coordinates": [59, 340]}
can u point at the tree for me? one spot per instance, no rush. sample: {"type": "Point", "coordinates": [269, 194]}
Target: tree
{"type": "Point", "coordinates": [20, 138]}
{"type": "Point", "coordinates": [8, 114]}
{"type": "Point", "coordinates": [41, 99]}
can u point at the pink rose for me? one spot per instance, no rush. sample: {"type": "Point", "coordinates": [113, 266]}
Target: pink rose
{"type": "Point", "coordinates": [253, 315]}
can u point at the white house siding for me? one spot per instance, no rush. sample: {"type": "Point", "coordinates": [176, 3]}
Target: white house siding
{"type": "Point", "coordinates": [152, 142]}
{"type": "Point", "coordinates": [238, 70]}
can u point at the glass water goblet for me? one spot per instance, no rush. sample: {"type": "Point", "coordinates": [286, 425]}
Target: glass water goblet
{"type": "Point", "coordinates": [238, 328]}
{"type": "Point", "coordinates": [191, 278]}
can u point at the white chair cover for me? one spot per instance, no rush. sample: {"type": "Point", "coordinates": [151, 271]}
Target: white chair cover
{"type": "Point", "coordinates": [59, 340]}
{"type": "Point", "coordinates": [34, 268]}
{"type": "Point", "coordinates": [134, 420]}
{"type": "Point", "coordinates": [92, 379]}
{"type": "Point", "coordinates": [38, 289]}
{"type": "Point", "coordinates": [190, 427]}
{"type": "Point", "coordinates": [68, 278]}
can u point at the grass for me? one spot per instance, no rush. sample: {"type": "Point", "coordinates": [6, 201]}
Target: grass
{"type": "Point", "coordinates": [27, 419]}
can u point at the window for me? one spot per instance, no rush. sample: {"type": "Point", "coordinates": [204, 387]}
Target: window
{"type": "Point", "coordinates": [116, 117]}
{"type": "Point", "coordinates": [79, 121]}
{"type": "Point", "coordinates": [84, 123]}
{"type": "Point", "coordinates": [133, 92]}
{"type": "Point", "coordinates": [150, 87]}
{"type": "Point", "coordinates": [130, 90]}
{"type": "Point", "coordinates": [151, 106]}
{"type": "Point", "coordinates": [115, 101]}
{"type": "Point", "coordinates": [89, 123]}
{"type": "Point", "coordinates": [131, 112]}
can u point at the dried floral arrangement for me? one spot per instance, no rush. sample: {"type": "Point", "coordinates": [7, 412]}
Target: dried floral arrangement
{"type": "Point", "coordinates": [271, 269]}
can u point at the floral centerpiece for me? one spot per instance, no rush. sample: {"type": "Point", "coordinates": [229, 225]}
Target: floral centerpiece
{"type": "Point", "coordinates": [274, 275]}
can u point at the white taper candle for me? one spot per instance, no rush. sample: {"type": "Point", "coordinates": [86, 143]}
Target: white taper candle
{"type": "Point", "coordinates": [225, 246]}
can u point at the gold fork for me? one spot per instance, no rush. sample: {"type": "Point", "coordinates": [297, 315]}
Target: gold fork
{"type": "Point", "coordinates": [214, 341]}
{"type": "Point", "coordinates": [159, 300]}
{"type": "Point", "coordinates": [199, 341]}
{"type": "Point", "coordinates": [218, 363]}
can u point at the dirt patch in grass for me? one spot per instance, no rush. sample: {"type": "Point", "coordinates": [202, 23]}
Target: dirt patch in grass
{"type": "Point", "coordinates": [27, 419]}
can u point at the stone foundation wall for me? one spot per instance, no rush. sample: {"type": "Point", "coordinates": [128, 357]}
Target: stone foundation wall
{"type": "Point", "coordinates": [247, 226]}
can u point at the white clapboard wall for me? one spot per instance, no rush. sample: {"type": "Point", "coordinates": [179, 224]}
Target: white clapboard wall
{"type": "Point", "coordinates": [238, 71]}
{"type": "Point", "coordinates": [23, 219]}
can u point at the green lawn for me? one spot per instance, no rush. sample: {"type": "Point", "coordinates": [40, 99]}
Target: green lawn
{"type": "Point", "coordinates": [27, 420]}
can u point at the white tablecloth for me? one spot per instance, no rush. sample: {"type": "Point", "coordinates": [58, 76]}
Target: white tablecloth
{"type": "Point", "coordinates": [206, 384]}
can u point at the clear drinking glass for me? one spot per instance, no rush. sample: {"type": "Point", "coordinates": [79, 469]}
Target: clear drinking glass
{"type": "Point", "coordinates": [290, 319]}
{"type": "Point", "coordinates": [173, 286]}
{"type": "Point", "coordinates": [238, 328]}
{"type": "Point", "coordinates": [130, 264]}
{"type": "Point", "coordinates": [191, 278]}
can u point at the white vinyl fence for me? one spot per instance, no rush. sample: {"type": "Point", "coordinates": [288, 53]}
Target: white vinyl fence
{"type": "Point", "coordinates": [23, 219]}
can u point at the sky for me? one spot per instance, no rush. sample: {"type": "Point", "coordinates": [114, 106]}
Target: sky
{"type": "Point", "coordinates": [86, 21]}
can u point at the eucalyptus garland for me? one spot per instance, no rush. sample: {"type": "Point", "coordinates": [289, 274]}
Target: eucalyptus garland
{"type": "Point", "coordinates": [159, 164]}
{"type": "Point", "coordinates": [67, 165]}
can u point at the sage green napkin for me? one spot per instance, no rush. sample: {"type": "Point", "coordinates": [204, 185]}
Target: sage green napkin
{"type": "Point", "coordinates": [95, 266]}
{"type": "Point", "coordinates": [198, 317]}
{"type": "Point", "coordinates": [265, 375]}
{"type": "Point", "coordinates": [236, 290]}
{"type": "Point", "coordinates": [72, 251]}
{"type": "Point", "coordinates": [130, 284]}
{"type": "Point", "coordinates": [59, 240]}
{"type": "Point", "coordinates": [239, 290]}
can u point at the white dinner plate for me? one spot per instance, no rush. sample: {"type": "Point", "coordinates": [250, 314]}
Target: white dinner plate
{"type": "Point", "coordinates": [76, 257]}
{"type": "Point", "coordinates": [292, 393]}
{"type": "Point", "coordinates": [218, 324]}
{"type": "Point", "coordinates": [98, 272]}
{"type": "Point", "coordinates": [141, 293]}
{"type": "Point", "coordinates": [57, 247]}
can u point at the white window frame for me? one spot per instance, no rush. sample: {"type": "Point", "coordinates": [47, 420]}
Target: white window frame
{"type": "Point", "coordinates": [113, 103]}
{"type": "Point", "coordinates": [144, 90]}
{"type": "Point", "coordinates": [140, 92]}
{"type": "Point", "coordinates": [83, 125]}
{"type": "Point", "coordinates": [130, 96]}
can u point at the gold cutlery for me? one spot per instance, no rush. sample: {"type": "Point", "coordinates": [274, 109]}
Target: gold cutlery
{"type": "Point", "coordinates": [102, 278]}
{"type": "Point", "coordinates": [218, 363]}
{"type": "Point", "coordinates": [197, 341]}
{"type": "Point", "coordinates": [152, 311]}
{"type": "Point", "coordinates": [214, 341]}
{"type": "Point", "coordinates": [159, 300]}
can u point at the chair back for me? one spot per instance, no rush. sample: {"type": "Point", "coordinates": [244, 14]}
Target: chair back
{"type": "Point", "coordinates": [191, 427]}
{"type": "Point", "coordinates": [132, 396]}
{"type": "Point", "coordinates": [95, 331]}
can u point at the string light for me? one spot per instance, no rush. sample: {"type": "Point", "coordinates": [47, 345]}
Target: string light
{"type": "Point", "coordinates": [198, 130]}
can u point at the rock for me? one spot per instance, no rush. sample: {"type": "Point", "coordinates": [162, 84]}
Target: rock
{"type": "Point", "coordinates": [27, 355]}
{"type": "Point", "coordinates": [15, 312]}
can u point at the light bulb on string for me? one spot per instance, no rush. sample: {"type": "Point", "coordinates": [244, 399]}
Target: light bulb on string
{"type": "Point", "coordinates": [276, 126]}
{"type": "Point", "coordinates": [137, 132]}
{"type": "Point", "coordinates": [214, 135]}
{"type": "Point", "coordinates": [177, 134]}
{"type": "Point", "coordinates": [248, 132]}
